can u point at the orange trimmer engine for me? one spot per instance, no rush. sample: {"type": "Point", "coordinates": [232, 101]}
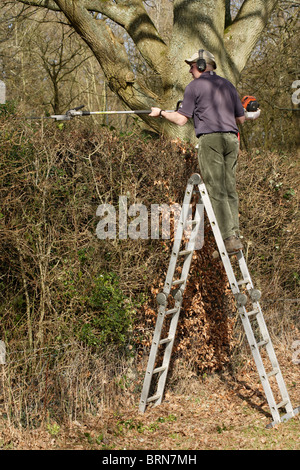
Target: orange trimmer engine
{"type": "Point", "coordinates": [250, 103]}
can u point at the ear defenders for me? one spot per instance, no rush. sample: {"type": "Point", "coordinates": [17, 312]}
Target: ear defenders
{"type": "Point", "coordinates": [201, 62]}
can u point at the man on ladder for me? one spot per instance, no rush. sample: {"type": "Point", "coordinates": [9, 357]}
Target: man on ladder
{"type": "Point", "coordinates": [214, 105]}
{"type": "Point", "coordinates": [216, 109]}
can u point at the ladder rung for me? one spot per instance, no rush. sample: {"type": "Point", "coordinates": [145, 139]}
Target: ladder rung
{"type": "Point", "coordinates": [273, 372]}
{"type": "Point", "coordinates": [252, 312]}
{"type": "Point", "coordinates": [159, 369]}
{"type": "Point", "coordinates": [282, 404]}
{"type": "Point", "coordinates": [242, 281]}
{"type": "Point", "coordinates": [172, 310]}
{"type": "Point", "coordinates": [192, 222]}
{"type": "Point", "coordinates": [262, 343]}
{"type": "Point", "coordinates": [166, 340]}
{"type": "Point", "coordinates": [185, 252]}
{"type": "Point", "coordinates": [178, 282]}
{"type": "Point", "coordinates": [153, 398]}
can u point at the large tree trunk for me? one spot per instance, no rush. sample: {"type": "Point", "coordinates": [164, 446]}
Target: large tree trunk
{"type": "Point", "coordinates": [197, 24]}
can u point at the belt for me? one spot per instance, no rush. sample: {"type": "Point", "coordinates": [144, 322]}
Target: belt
{"type": "Point", "coordinates": [217, 132]}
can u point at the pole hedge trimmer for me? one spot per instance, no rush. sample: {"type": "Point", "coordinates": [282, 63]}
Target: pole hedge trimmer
{"type": "Point", "coordinates": [77, 112]}
{"type": "Point", "coordinates": [249, 103]}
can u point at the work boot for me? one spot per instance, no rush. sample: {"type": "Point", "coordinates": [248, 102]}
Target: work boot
{"type": "Point", "coordinates": [233, 244]}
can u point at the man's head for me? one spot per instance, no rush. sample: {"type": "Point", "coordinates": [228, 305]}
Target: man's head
{"type": "Point", "coordinates": [201, 61]}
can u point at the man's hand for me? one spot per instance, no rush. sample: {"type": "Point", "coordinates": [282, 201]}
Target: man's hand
{"type": "Point", "coordinates": [155, 112]}
{"type": "Point", "coordinates": [251, 115]}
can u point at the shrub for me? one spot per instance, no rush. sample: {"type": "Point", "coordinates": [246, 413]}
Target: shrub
{"type": "Point", "coordinates": [111, 321]}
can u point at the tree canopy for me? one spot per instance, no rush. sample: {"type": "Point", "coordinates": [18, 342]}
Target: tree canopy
{"type": "Point", "coordinates": [229, 29]}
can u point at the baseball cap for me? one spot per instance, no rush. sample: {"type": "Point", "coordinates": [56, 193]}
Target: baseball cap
{"type": "Point", "coordinates": [210, 59]}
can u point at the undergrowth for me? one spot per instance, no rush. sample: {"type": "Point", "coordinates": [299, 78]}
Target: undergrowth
{"type": "Point", "coordinates": [78, 312]}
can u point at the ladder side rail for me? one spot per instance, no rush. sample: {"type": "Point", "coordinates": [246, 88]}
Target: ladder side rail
{"type": "Point", "coordinates": [266, 337]}
{"type": "Point", "coordinates": [235, 290]}
{"type": "Point", "coordinates": [256, 306]}
{"type": "Point", "coordinates": [167, 287]}
{"type": "Point", "coordinates": [178, 238]}
{"type": "Point", "coordinates": [274, 362]}
{"type": "Point", "coordinates": [244, 270]}
{"type": "Point", "coordinates": [218, 237]}
{"type": "Point", "coordinates": [167, 354]}
{"type": "Point", "coordinates": [259, 363]}
{"type": "Point", "coordinates": [190, 246]}
{"type": "Point", "coordinates": [151, 359]}
{"type": "Point", "coordinates": [173, 325]}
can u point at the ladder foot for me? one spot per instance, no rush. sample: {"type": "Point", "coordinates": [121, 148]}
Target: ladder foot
{"type": "Point", "coordinates": [284, 418]}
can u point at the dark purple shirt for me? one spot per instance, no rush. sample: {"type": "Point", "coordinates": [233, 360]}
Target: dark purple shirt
{"type": "Point", "coordinates": [213, 103]}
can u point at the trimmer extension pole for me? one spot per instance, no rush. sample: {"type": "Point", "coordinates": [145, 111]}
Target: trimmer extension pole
{"type": "Point", "coordinates": [138, 111]}
{"type": "Point", "coordinates": [76, 112]}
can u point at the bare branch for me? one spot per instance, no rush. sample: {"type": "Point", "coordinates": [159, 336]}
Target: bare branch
{"type": "Point", "coordinates": [110, 53]}
{"type": "Point", "coordinates": [242, 35]}
{"type": "Point", "coordinates": [50, 4]}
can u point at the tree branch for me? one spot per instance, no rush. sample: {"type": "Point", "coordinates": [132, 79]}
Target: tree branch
{"type": "Point", "coordinates": [110, 53]}
{"type": "Point", "coordinates": [133, 17]}
{"type": "Point", "coordinates": [228, 19]}
{"type": "Point", "coordinates": [50, 4]}
{"type": "Point", "coordinates": [242, 35]}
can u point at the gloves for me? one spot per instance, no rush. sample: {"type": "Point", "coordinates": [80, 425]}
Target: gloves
{"type": "Point", "coordinates": [251, 115]}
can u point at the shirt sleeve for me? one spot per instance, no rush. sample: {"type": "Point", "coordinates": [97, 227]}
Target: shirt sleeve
{"type": "Point", "coordinates": [239, 109]}
{"type": "Point", "coordinates": [188, 104]}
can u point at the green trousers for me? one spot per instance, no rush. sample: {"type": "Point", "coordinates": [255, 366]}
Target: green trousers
{"type": "Point", "coordinates": [217, 155]}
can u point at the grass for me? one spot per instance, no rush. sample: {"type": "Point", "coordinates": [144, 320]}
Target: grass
{"type": "Point", "coordinates": [219, 412]}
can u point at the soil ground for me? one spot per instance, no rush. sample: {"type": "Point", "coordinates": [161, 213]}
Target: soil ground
{"type": "Point", "coordinates": [217, 412]}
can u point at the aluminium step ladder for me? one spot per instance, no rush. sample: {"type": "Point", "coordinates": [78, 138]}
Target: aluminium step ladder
{"type": "Point", "coordinates": [258, 336]}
